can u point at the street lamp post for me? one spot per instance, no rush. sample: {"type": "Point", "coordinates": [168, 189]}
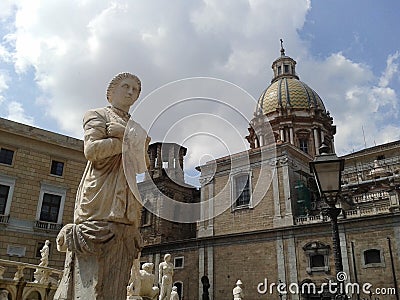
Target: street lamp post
{"type": "Point", "coordinates": [327, 169]}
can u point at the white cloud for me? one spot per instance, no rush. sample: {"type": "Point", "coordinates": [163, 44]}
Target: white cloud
{"type": "Point", "coordinates": [75, 53]}
{"type": "Point", "coordinates": [6, 8]}
{"type": "Point", "coordinates": [363, 105]}
{"type": "Point", "coordinates": [76, 47]}
{"type": "Point", "coordinates": [392, 68]}
{"type": "Point", "coordinates": [17, 113]}
{"type": "Point", "coordinates": [4, 79]}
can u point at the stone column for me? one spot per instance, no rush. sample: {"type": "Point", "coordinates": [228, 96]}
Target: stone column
{"type": "Point", "coordinates": [282, 133]}
{"type": "Point", "coordinates": [343, 249]}
{"type": "Point", "coordinates": [291, 135]}
{"type": "Point", "coordinates": [316, 141]}
{"type": "Point", "coordinates": [286, 191]}
{"type": "Point", "coordinates": [201, 270]}
{"type": "Point", "coordinates": [210, 269]}
{"type": "Point", "coordinates": [276, 195]}
{"type": "Point", "coordinates": [292, 261]}
{"type": "Point", "coordinates": [210, 223]}
{"type": "Point", "coordinates": [280, 258]}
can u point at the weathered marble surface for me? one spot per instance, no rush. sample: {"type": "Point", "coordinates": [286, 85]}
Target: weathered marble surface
{"type": "Point", "coordinates": [237, 291]}
{"type": "Point", "coordinates": [165, 273]}
{"type": "Point", "coordinates": [104, 240]}
{"type": "Point", "coordinates": [141, 283]}
{"type": "Point", "coordinates": [39, 275]}
{"type": "Point", "coordinates": [174, 293]}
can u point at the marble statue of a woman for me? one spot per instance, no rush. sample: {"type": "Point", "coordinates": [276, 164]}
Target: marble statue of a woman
{"type": "Point", "coordinates": [165, 273]}
{"type": "Point", "coordinates": [104, 239]}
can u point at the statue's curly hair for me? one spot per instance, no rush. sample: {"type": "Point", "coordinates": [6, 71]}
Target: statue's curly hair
{"type": "Point", "coordinates": [118, 78]}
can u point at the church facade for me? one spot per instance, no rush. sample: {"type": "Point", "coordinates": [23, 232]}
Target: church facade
{"type": "Point", "coordinates": [278, 235]}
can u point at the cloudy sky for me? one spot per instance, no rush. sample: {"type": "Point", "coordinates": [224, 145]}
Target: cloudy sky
{"type": "Point", "coordinates": [56, 57]}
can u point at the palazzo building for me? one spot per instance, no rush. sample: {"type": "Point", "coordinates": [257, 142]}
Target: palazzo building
{"type": "Point", "coordinates": [39, 174]}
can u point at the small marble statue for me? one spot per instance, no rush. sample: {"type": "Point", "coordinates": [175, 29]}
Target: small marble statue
{"type": "Point", "coordinates": [44, 252]}
{"type": "Point", "coordinates": [2, 270]}
{"type": "Point", "coordinates": [104, 239]}
{"type": "Point", "coordinates": [237, 291]}
{"type": "Point", "coordinates": [4, 295]}
{"type": "Point", "coordinates": [134, 287]}
{"type": "Point", "coordinates": [147, 279]}
{"type": "Point", "coordinates": [44, 262]}
{"type": "Point", "coordinates": [174, 293]}
{"type": "Point", "coordinates": [165, 273]}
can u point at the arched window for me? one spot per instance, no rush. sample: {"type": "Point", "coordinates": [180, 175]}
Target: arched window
{"type": "Point", "coordinates": [34, 296]}
{"type": "Point", "coordinates": [179, 287]}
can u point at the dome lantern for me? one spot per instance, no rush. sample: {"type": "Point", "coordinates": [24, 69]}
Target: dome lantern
{"type": "Point", "coordinates": [295, 112]}
{"type": "Point", "coordinates": [284, 66]}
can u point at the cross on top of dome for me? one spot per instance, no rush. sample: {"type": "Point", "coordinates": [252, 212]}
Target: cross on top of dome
{"type": "Point", "coordinates": [282, 49]}
{"type": "Point", "coordinates": [284, 66]}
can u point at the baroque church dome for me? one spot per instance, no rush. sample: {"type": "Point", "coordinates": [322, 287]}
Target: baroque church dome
{"type": "Point", "coordinates": [294, 111]}
{"type": "Point", "coordinates": [288, 93]}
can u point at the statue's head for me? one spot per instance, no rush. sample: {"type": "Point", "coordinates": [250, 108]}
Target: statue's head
{"type": "Point", "coordinates": [118, 80]}
{"type": "Point", "coordinates": [174, 288]}
{"type": "Point", "coordinates": [148, 267]}
{"type": "Point", "coordinates": [167, 257]}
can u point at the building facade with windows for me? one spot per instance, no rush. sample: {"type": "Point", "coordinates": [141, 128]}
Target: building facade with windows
{"type": "Point", "coordinates": [280, 235]}
{"type": "Point", "coordinates": [39, 174]}
{"type": "Point", "coordinates": [263, 221]}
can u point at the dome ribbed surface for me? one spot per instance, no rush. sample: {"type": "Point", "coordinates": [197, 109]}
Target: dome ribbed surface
{"type": "Point", "coordinates": [288, 93]}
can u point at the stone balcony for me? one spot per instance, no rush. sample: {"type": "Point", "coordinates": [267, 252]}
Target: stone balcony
{"type": "Point", "coordinates": [4, 219]}
{"type": "Point", "coordinates": [17, 288]}
{"type": "Point", "coordinates": [47, 226]}
{"type": "Point", "coordinates": [348, 214]}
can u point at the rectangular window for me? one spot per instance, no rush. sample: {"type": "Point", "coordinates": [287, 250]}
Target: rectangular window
{"type": "Point", "coordinates": [242, 190]}
{"type": "Point", "coordinates": [146, 217]}
{"type": "Point", "coordinates": [317, 261]}
{"type": "Point", "coordinates": [6, 156]}
{"type": "Point", "coordinates": [4, 193]}
{"type": "Point", "coordinates": [372, 258]}
{"type": "Point", "coordinates": [303, 143]}
{"type": "Point", "coordinates": [286, 68]}
{"type": "Point", "coordinates": [279, 70]}
{"type": "Point", "coordinates": [178, 262]}
{"type": "Point", "coordinates": [50, 208]}
{"type": "Point", "coordinates": [57, 168]}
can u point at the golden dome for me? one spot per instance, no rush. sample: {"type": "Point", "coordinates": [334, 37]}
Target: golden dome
{"type": "Point", "coordinates": [288, 93]}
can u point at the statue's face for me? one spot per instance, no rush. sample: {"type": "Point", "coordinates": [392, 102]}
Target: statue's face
{"type": "Point", "coordinates": [125, 93]}
{"type": "Point", "coordinates": [167, 258]}
{"type": "Point", "coordinates": [148, 267]}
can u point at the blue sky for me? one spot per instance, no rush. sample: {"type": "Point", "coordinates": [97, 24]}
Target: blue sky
{"type": "Point", "coordinates": [361, 30]}
{"type": "Point", "coordinates": [56, 57]}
